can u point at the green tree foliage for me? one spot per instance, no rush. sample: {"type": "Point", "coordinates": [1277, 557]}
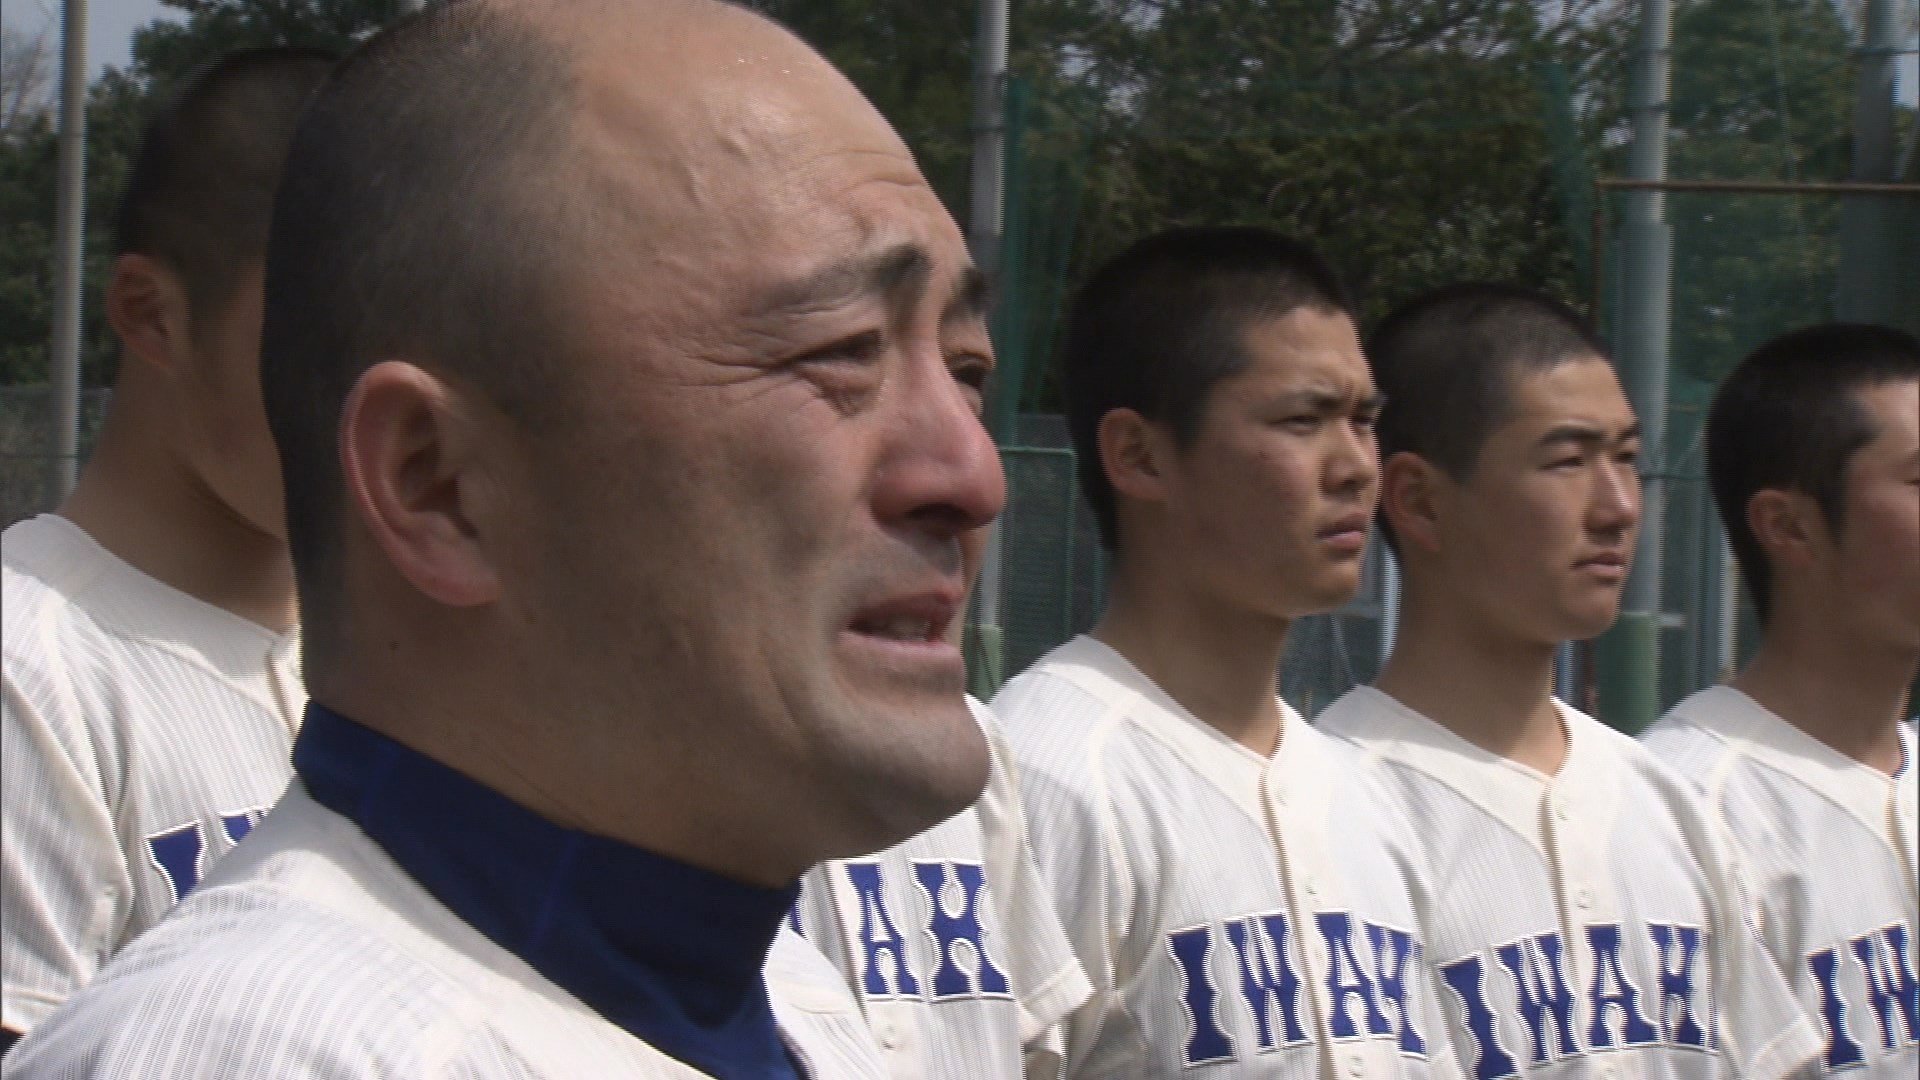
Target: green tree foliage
{"type": "Point", "coordinates": [1408, 140]}
{"type": "Point", "coordinates": [1763, 90]}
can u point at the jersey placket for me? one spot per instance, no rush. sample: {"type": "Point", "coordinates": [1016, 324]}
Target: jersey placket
{"type": "Point", "coordinates": [1290, 791]}
{"type": "Point", "coordinates": [1578, 810]}
{"type": "Point", "coordinates": [895, 1024]}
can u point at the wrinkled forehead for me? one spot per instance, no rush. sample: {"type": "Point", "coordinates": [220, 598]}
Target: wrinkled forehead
{"type": "Point", "coordinates": [706, 123]}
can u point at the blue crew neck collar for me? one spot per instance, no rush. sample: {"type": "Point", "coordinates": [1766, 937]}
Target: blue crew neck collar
{"type": "Point", "coordinates": [671, 953]}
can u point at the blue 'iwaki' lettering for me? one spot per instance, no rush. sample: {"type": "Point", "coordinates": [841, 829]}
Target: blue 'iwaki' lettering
{"type": "Point", "coordinates": [1267, 979]}
{"type": "Point", "coordinates": [1192, 950]}
{"type": "Point", "coordinates": [1842, 1050]}
{"type": "Point", "coordinates": [884, 973]}
{"type": "Point", "coordinates": [237, 826]}
{"type": "Point", "coordinates": [1891, 988]}
{"type": "Point", "coordinates": [1677, 947]}
{"type": "Point", "coordinates": [1393, 951]}
{"type": "Point", "coordinates": [1467, 978]}
{"type": "Point", "coordinates": [1347, 979]}
{"type": "Point", "coordinates": [956, 930]}
{"type": "Point", "coordinates": [1614, 994]}
{"type": "Point", "coordinates": [180, 854]}
{"type": "Point", "coordinates": [1540, 984]}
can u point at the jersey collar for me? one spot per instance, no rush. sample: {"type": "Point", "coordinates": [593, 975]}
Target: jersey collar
{"type": "Point", "coordinates": [1867, 794]}
{"type": "Point", "coordinates": [671, 953]}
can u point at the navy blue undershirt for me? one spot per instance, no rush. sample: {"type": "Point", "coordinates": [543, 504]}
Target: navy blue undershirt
{"type": "Point", "coordinates": [671, 953]}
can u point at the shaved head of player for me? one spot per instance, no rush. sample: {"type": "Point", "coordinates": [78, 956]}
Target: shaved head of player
{"type": "Point", "coordinates": [1225, 427]}
{"type": "Point", "coordinates": [1179, 809]}
{"type": "Point", "coordinates": [1511, 497]}
{"type": "Point", "coordinates": [151, 683]}
{"type": "Point", "coordinates": [1583, 914]}
{"type": "Point", "coordinates": [1813, 448]}
{"type": "Point", "coordinates": [624, 370]}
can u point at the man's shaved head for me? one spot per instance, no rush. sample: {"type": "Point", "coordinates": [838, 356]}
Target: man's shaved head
{"type": "Point", "coordinates": [621, 350]}
{"type": "Point", "coordinates": [450, 188]}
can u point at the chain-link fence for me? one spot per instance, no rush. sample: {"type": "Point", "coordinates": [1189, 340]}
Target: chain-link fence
{"type": "Point", "coordinates": [27, 460]}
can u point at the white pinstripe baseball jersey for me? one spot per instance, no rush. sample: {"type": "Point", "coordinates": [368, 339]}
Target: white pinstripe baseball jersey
{"type": "Point", "coordinates": [312, 954]}
{"type": "Point", "coordinates": [1588, 924]}
{"type": "Point", "coordinates": [950, 941]}
{"type": "Point", "coordinates": [144, 733]}
{"type": "Point", "coordinates": [1827, 845]}
{"type": "Point", "coordinates": [1238, 915]}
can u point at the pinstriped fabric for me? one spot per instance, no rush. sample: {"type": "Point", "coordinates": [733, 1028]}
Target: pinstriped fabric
{"type": "Point", "coordinates": [1827, 844]}
{"type": "Point", "coordinates": [875, 918]}
{"type": "Point", "coordinates": [311, 954]}
{"type": "Point", "coordinates": [1588, 924]}
{"type": "Point", "coordinates": [1237, 915]}
{"type": "Point", "coordinates": [144, 732]}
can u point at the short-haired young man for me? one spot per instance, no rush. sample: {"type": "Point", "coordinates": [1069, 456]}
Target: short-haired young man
{"type": "Point", "coordinates": [151, 686]}
{"type": "Point", "coordinates": [1577, 904]}
{"type": "Point", "coordinates": [1813, 448]}
{"type": "Point", "coordinates": [1223, 869]}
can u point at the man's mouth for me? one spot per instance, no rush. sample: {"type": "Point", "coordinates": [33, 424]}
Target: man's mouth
{"type": "Point", "coordinates": [913, 619]}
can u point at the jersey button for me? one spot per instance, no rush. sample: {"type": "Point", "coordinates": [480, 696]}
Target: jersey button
{"type": "Point", "coordinates": [1356, 1066]}
{"type": "Point", "coordinates": [1583, 899]}
{"type": "Point", "coordinates": [889, 1037]}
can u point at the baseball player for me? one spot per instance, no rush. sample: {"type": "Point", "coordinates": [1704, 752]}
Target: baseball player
{"type": "Point", "coordinates": [950, 942]}
{"type": "Point", "coordinates": [150, 690]}
{"type": "Point", "coordinates": [1225, 873]}
{"type": "Point", "coordinates": [1813, 447]}
{"type": "Point", "coordinates": [623, 371]}
{"type": "Point", "coordinates": [1579, 909]}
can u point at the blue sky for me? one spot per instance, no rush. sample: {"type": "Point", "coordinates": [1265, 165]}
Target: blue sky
{"type": "Point", "coordinates": [110, 26]}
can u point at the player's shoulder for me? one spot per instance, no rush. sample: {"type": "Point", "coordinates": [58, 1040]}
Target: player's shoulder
{"type": "Point", "coordinates": [304, 953]}
{"type": "Point", "coordinates": [256, 981]}
{"type": "Point", "coordinates": [1364, 718]}
{"type": "Point", "coordinates": [45, 571]}
{"type": "Point", "coordinates": [1058, 708]}
{"type": "Point", "coordinates": [1693, 736]}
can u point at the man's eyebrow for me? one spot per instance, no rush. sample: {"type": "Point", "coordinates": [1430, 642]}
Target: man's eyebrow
{"type": "Point", "coordinates": [972, 297]}
{"type": "Point", "coordinates": [897, 273]}
{"type": "Point", "coordinates": [1588, 435]}
{"type": "Point", "coordinates": [1328, 401]}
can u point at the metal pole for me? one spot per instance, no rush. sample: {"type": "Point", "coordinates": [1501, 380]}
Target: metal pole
{"type": "Point", "coordinates": [985, 223]}
{"type": "Point", "coordinates": [1630, 685]}
{"type": "Point", "coordinates": [1868, 279]}
{"type": "Point", "coordinates": [69, 222]}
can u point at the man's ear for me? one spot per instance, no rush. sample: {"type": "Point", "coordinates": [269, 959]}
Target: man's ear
{"type": "Point", "coordinates": [1132, 451]}
{"type": "Point", "coordinates": [1788, 525]}
{"type": "Point", "coordinates": [409, 455]}
{"type": "Point", "coordinates": [1410, 499]}
{"type": "Point", "coordinates": [146, 304]}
